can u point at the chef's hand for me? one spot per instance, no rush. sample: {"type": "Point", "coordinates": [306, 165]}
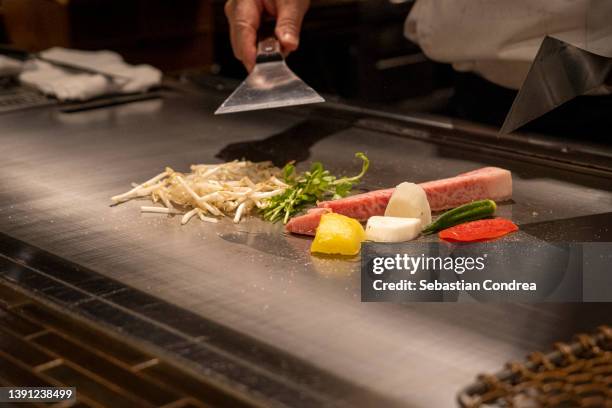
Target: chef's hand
{"type": "Point", "coordinates": [244, 17]}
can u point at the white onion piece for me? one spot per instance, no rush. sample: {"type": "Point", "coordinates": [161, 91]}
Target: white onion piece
{"type": "Point", "coordinates": [392, 229]}
{"type": "Point", "coordinates": [409, 200]}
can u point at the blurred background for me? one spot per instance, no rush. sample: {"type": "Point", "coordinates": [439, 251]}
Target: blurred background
{"type": "Point", "coordinates": [353, 49]}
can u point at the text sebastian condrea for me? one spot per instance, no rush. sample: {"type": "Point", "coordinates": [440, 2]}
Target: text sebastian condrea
{"type": "Point", "coordinates": [461, 285]}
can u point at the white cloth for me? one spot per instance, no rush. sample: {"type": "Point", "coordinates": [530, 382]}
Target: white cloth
{"type": "Point", "coordinates": [66, 84]}
{"type": "Point", "coordinates": [499, 39]}
{"type": "Point", "coordinates": [9, 66]}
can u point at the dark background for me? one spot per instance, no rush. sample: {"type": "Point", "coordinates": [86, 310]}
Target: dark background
{"type": "Point", "coordinates": [351, 50]}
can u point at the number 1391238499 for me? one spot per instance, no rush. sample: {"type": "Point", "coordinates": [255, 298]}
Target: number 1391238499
{"type": "Point", "coordinates": [37, 394]}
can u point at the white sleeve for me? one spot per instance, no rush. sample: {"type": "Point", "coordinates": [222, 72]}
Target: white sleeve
{"type": "Point", "coordinates": [499, 39]}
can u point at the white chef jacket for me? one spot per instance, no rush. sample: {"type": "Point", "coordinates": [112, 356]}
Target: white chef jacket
{"type": "Point", "coordinates": [499, 39]}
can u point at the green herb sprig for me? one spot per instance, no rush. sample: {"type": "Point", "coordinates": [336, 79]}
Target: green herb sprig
{"type": "Point", "coordinates": [309, 187]}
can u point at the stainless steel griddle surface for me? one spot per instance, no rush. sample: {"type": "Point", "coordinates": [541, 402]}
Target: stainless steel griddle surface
{"type": "Point", "coordinates": [59, 170]}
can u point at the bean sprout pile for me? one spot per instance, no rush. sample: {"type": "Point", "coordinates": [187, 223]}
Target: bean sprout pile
{"type": "Point", "coordinates": [210, 190]}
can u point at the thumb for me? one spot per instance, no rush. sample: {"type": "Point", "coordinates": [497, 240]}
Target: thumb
{"type": "Point", "coordinates": [289, 16]}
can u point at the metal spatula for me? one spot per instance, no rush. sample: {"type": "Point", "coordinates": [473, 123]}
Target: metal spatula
{"type": "Point", "coordinates": [271, 84]}
{"type": "Point", "coordinates": [559, 73]}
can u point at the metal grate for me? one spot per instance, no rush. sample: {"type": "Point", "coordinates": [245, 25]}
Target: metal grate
{"type": "Point", "coordinates": [42, 347]}
{"type": "Point", "coordinates": [575, 375]}
{"type": "Point", "coordinates": [17, 98]}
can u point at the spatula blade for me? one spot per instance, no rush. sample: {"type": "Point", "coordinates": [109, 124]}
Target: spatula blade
{"type": "Point", "coordinates": [559, 73]}
{"type": "Point", "coordinates": [270, 85]}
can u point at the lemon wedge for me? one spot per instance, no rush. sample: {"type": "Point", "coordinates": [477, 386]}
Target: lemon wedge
{"type": "Point", "coordinates": [338, 234]}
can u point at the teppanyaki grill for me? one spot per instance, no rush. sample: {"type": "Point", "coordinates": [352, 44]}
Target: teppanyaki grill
{"type": "Point", "coordinates": [320, 343]}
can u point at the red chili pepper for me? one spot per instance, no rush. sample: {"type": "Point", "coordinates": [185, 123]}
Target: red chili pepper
{"type": "Point", "coordinates": [478, 230]}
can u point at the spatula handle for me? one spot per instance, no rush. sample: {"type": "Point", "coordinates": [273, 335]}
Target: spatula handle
{"type": "Point", "coordinates": [268, 50]}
